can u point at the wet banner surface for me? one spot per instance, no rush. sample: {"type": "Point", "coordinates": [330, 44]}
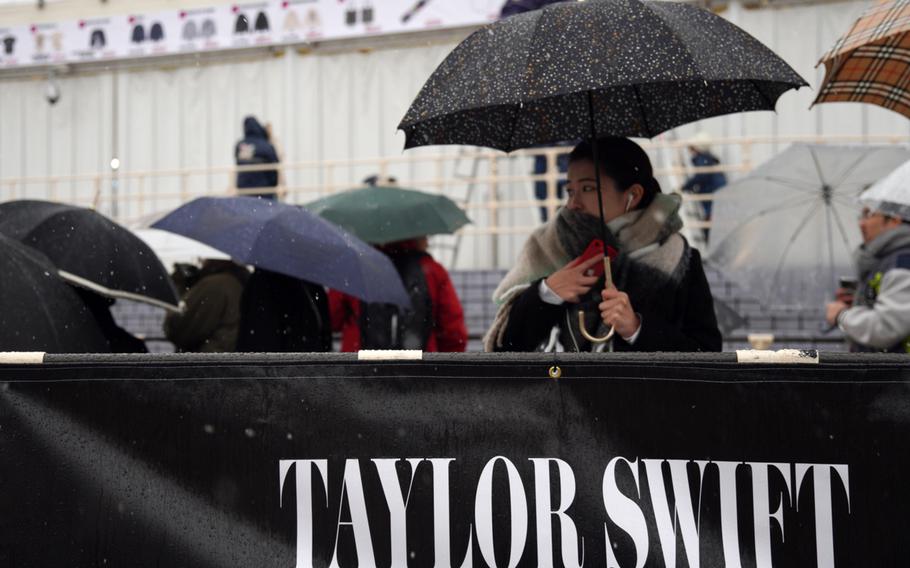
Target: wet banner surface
{"type": "Point", "coordinates": [624, 460]}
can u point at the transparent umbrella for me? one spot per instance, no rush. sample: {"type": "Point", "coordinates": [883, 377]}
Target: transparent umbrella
{"type": "Point", "coordinates": [787, 231]}
{"type": "Point", "coordinates": [890, 195]}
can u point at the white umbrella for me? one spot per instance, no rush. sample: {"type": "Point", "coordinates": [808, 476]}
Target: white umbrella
{"type": "Point", "coordinates": [787, 231]}
{"type": "Point", "coordinates": [172, 248]}
{"type": "Point", "coordinates": [891, 195]}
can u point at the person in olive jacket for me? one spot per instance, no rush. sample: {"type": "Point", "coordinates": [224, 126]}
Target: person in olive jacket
{"type": "Point", "coordinates": [210, 320]}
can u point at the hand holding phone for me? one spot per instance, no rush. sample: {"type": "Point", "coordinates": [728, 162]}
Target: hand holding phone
{"type": "Point", "coordinates": [595, 248]}
{"type": "Point", "coordinates": [846, 288]}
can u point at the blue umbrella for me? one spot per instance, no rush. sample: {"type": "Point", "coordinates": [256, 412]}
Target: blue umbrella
{"type": "Point", "coordinates": [290, 240]}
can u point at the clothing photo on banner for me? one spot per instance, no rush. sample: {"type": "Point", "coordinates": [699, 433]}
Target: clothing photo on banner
{"type": "Point", "coordinates": [138, 35]}
{"type": "Point", "coordinates": [189, 30]}
{"type": "Point", "coordinates": [208, 28]}
{"type": "Point", "coordinates": [242, 25]}
{"type": "Point", "coordinates": [262, 22]}
{"type": "Point", "coordinates": [291, 22]}
{"type": "Point", "coordinates": [156, 32]}
{"type": "Point", "coordinates": [97, 40]}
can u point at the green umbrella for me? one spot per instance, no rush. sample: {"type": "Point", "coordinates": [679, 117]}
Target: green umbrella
{"type": "Point", "coordinates": [386, 214]}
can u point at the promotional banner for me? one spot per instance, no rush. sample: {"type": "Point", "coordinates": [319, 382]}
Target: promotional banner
{"type": "Point", "coordinates": [238, 26]}
{"type": "Point", "coordinates": [459, 461]}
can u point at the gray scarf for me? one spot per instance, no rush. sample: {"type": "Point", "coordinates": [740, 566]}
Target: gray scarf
{"type": "Point", "coordinates": [649, 237]}
{"type": "Point", "coordinates": [868, 255]}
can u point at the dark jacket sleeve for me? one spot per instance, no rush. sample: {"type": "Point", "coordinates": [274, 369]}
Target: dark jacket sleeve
{"type": "Point", "coordinates": [530, 321]}
{"type": "Point", "coordinates": [697, 330]}
{"type": "Point", "coordinates": [205, 305]}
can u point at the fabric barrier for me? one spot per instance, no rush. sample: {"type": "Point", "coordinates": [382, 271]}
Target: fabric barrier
{"type": "Point", "coordinates": [470, 460]}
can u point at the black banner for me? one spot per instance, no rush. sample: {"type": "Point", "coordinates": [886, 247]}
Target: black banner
{"type": "Point", "coordinates": [624, 460]}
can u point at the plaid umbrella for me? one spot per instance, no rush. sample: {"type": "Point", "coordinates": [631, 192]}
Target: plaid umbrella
{"type": "Point", "coordinates": [871, 63]}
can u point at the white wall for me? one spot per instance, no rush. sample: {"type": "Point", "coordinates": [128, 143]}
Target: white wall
{"type": "Point", "coordinates": [340, 106]}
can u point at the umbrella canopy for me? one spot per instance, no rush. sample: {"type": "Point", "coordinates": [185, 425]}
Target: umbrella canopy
{"type": "Point", "coordinates": [871, 63]}
{"type": "Point", "coordinates": [587, 69]}
{"type": "Point", "coordinates": [890, 195]}
{"type": "Point", "coordinates": [788, 230]}
{"type": "Point", "coordinates": [91, 250]}
{"type": "Point", "coordinates": [385, 214]}
{"type": "Point", "coordinates": [290, 240]}
{"type": "Point", "coordinates": [38, 310]}
{"type": "Point", "coordinates": [172, 248]}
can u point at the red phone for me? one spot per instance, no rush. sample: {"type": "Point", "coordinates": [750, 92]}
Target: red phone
{"type": "Point", "coordinates": [596, 247]}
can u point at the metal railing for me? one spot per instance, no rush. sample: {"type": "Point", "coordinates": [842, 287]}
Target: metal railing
{"type": "Point", "coordinates": [135, 197]}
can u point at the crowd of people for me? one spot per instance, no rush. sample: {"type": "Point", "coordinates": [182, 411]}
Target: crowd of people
{"type": "Point", "coordinates": [229, 309]}
{"type": "Point", "coordinates": [553, 299]}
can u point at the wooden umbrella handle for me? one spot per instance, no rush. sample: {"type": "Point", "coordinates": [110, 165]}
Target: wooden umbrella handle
{"type": "Point", "coordinates": [608, 283]}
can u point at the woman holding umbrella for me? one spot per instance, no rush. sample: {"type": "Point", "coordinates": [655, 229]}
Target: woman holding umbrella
{"type": "Point", "coordinates": [661, 300]}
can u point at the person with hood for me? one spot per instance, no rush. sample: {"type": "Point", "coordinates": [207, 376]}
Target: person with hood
{"type": "Point", "coordinates": [703, 182]}
{"type": "Point", "coordinates": [256, 148]}
{"type": "Point", "coordinates": [661, 300]}
{"type": "Point", "coordinates": [877, 316]}
{"type": "Point", "coordinates": [210, 320]}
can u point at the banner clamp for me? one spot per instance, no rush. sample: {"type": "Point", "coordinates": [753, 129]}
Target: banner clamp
{"type": "Point", "coordinates": [389, 355]}
{"type": "Point", "coordinates": [21, 357]}
{"type": "Point", "coordinates": [779, 357]}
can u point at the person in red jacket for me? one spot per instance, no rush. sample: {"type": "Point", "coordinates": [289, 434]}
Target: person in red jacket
{"type": "Point", "coordinates": [435, 322]}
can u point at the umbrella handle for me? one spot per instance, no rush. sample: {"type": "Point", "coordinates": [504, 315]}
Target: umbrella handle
{"type": "Point", "coordinates": [608, 283]}
{"type": "Point", "coordinates": [588, 336]}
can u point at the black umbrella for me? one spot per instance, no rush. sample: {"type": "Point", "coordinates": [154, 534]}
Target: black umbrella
{"type": "Point", "coordinates": [587, 69]}
{"type": "Point", "coordinates": [38, 310]}
{"type": "Point", "coordinates": [90, 250]}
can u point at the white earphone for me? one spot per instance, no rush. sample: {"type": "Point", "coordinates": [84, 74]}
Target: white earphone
{"type": "Point", "coordinates": [629, 202]}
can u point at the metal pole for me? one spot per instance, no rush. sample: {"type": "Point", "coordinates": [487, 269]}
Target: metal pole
{"type": "Point", "coordinates": [115, 141]}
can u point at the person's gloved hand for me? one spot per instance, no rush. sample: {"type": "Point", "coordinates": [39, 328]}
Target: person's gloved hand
{"type": "Point", "coordinates": [616, 310]}
{"type": "Point", "coordinates": [570, 282]}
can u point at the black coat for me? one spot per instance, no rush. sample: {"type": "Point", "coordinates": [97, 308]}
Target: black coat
{"type": "Point", "coordinates": [284, 314]}
{"type": "Point", "coordinates": [677, 315]}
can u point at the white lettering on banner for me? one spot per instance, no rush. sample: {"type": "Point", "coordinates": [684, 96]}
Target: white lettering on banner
{"type": "Point", "coordinates": [483, 512]}
{"type": "Point", "coordinates": [304, 502]}
{"type": "Point", "coordinates": [824, 514]}
{"type": "Point", "coordinates": [398, 505]}
{"type": "Point", "coordinates": [676, 511]}
{"type": "Point", "coordinates": [544, 514]}
{"type": "Point", "coordinates": [762, 514]}
{"type": "Point", "coordinates": [683, 515]}
{"type": "Point", "coordinates": [441, 523]}
{"type": "Point", "coordinates": [623, 511]}
{"type": "Point", "coordinates": [352, 487]}
{"type": "Point", "coordinates": [729, 524]}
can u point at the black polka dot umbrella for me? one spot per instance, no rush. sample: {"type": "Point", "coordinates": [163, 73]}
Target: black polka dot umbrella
{"type": "Point", "coordinates": [578, 70]}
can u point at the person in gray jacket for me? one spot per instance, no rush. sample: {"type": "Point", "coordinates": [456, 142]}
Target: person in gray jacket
{"type": "Point", "coordinates": [877, 316]}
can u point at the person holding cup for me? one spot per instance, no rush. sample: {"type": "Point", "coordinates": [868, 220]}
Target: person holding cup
{"type": "Point", "coordinates": [876, 315]}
